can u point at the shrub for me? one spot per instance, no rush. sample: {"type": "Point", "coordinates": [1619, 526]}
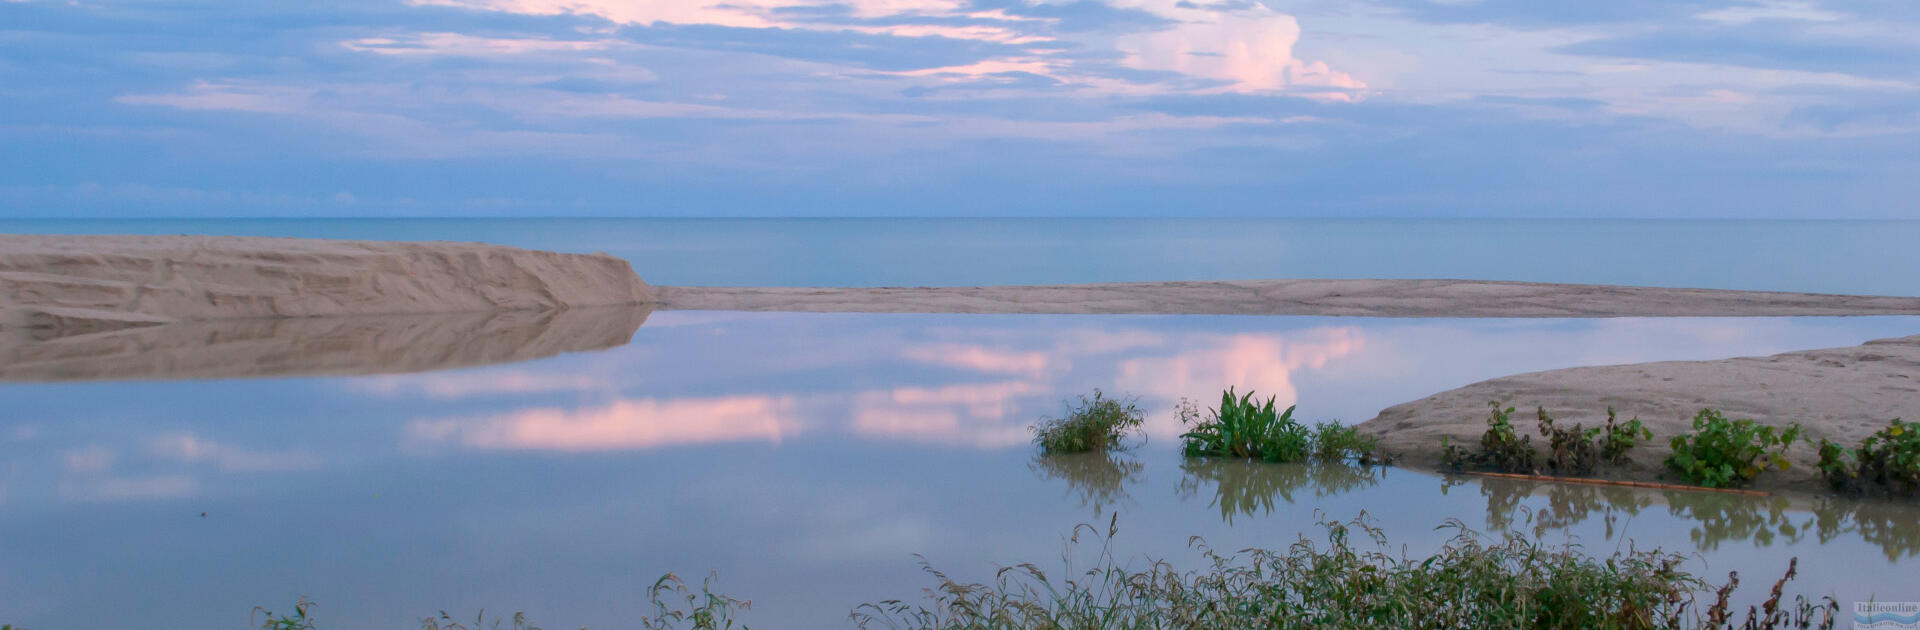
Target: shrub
{"type": "Point", "coordinates": [299, 620]}
{"type": "Point", "coordinates": [1887, 461]}
{"type": "Point", "coordinates": [1617, 439]}
{"type": "Point", "coordinates": [1334, 442]}
{"type": "Point", "coordinates": [1722, 453]}
{"type": "Point", "coordinates": [1097, 424]}
{"type": "Point", "coordinates": [1241, 427]}
{"type": "Point", "coordinates": [1501, 448]}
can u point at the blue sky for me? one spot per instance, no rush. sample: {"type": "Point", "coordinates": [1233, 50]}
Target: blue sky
{"type": "Point", "coordinates": [1626, 108]}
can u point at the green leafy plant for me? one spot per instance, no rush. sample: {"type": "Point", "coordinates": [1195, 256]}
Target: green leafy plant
{"type": "Point", "coordinates": [1722, 453]}
{"type": "Point", "coordinates": [1334, 442]}
{"type": "Point", "coordinates": [1096, 424]}
{"type": "Point", "coordinates": [1618, 438]}
{"type": "Point", "coordinates": [1240, 427]}
{"type": "Point", "coordinates": [1570, 451]}
{"type": "Point", "coordinates": [299, 620]}
{"type": "Point", "coordinates": [1887, 461]}
{"type": "Point", "coordinates": [1501, 448]}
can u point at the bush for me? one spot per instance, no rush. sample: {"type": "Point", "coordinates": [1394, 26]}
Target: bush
{"type": "Point", "coordinates": [1887, 461]}
{"type": "Point", "coordinates": [1617, 439]}
{"type": "Point", "coordinates": [1099, 423]}
{"type": "Point", "coordinates": [1242, 428]}
{"type": "Point", "coordinates": [1501, 448]}
{"type": "Point", "coordinates": [1580, 451]}
{"type": "Point", "coordinates": [1722, 453]}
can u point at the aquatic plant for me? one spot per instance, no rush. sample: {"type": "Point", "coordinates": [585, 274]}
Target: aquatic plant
{"type": "Point", "coordinates": [1334, 442]}
{"type": "Point", "coordinates": [1245, 487]}
{"type": "Point", "coordinates": [1886, 462]}
{"type": "Point", "coordinates": [1336, 582]}
{"type": "Point", "coordinates": [1501, 448]}
{"type": "Point", "coordinates": [1097, 424]}
{"type": "Point", "coordinates": [1722, 453]}
{"type": "Point", "coordinates": [1580, 451]}
{"type": "Point", "coordinates": [1240, 427]}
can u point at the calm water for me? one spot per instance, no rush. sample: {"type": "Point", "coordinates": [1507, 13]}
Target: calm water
{"type": "Point", "coordinates": [1870, 257]}
{"type": "Point", "coordinates": [808, 457]}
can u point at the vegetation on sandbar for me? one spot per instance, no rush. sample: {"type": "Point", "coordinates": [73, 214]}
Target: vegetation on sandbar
{"type": "Point", "coordinates": [1244, 427]}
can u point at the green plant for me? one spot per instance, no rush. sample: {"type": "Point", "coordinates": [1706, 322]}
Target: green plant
{"type": "Point", "coordinates": [1571, 451]}
{"type": "Point", "coordinates": [1617, 439]}
{"type": "Point", "coordinates": [1241, 427]}
{"type": "Point", "coordinates": [1722, 453]}
{"type": "Point", "coordinates": [1887, 461]}
{"type": "Point", "coordinates": [1098, 423]}
{"type": "Point", "coordinates": [705, 610]}
{"type": "Point", "coordinates": [299, 620]}
{"type": "Point", "coordinates": [1334, 442]}
{"type": "Point", "coordinates": [1349, 577]}
{"type": "Point", "coordinates": [1501, 448]}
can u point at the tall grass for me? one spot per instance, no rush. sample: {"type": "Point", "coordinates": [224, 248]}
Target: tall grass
{"type": "Point", "coordinates": [1241, 427]}
{"type": "Point", "coordinates": [1348, 579]}
{"type": "Point", "coordinates": [1096, 424]}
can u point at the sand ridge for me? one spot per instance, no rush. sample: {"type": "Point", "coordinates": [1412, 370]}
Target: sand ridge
{"type": "Point", "coordinates": [1360, 298]}
{"type": "Point", "coordinates": [79, 284]}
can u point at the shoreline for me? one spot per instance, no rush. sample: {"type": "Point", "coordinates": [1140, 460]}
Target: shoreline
{"type": "Point", "coordinates": [1303, 297]}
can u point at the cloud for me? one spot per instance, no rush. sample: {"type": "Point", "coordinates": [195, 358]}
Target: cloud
{"type": "Point", "coordinates": [628, 424]}
{"type": "Point", "coordinates": [1262, 364]}
{"type": "Point", "coordinates": [980, 358]}
{"type": "Point", "coordinates": [975, 414]}
{"type": "Point", "coordinates": [447, 386]}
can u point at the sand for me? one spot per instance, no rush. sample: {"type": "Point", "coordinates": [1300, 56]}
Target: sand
{"type": "Point", "coordinates": [1842, 394]}
{"type": "Point", "coordinates": [1366, 298]}
{"type": "Point", "coordinates": [80, 284]}
{"type": "Point", "coordinates": [315, 346]}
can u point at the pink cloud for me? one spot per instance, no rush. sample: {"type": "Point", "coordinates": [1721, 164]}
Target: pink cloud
{"type": "Point", "coordinates": [623, 425]}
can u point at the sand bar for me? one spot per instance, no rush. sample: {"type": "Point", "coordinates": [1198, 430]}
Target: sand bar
{"type": "Point", "coordinates": [1361, 298]}
{"type": "Point", "coordinates": [1842, 394]}
{"type": "Point", "coordinates": [79, 284]}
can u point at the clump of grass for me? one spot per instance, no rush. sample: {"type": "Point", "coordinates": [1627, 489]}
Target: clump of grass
{"type": "Point", "coordinates": [1502, 449]}
{"type": "Point", "coordinates": [1096, 424]}
{"type": "Point", "coordinates": [1722, 453]}
{"type": "Point", "coordinates": [1886, 462]}
{"type": "Point", "coordinates": [1241, 427]}
{"type": "Point", "coordinates": [1334, 442]}
{"type": "Point", "coordinates": [1337, 582]}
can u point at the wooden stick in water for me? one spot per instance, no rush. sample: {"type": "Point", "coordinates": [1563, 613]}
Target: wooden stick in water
{"type": "Point", "coordinates": [1609, 482]}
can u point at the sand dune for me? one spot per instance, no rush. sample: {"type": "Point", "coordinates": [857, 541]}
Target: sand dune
{"type": "Point", "coordinates": [77, 284]}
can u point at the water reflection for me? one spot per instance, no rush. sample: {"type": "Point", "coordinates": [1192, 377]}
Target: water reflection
{"type": "Point", "coordinates": [1248, 487]}
{"type": "Point", "coordinates": [1715, 519]}
{"type": "Point", "coordinates": [1099, 479]}
{"type": "Point", "coordinates": [311, 346]}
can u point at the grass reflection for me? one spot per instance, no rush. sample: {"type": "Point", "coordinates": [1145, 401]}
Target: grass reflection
{"type": "Point", "coordinates": [1099, 478]}
{"type": "Point", "coordinates": [1245, 487]}
{"type": "Point", "coordinates": [1717, 518]}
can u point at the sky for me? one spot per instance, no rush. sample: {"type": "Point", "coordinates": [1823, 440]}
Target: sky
{"type": "Point", "coordinates": [1373, 108]}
